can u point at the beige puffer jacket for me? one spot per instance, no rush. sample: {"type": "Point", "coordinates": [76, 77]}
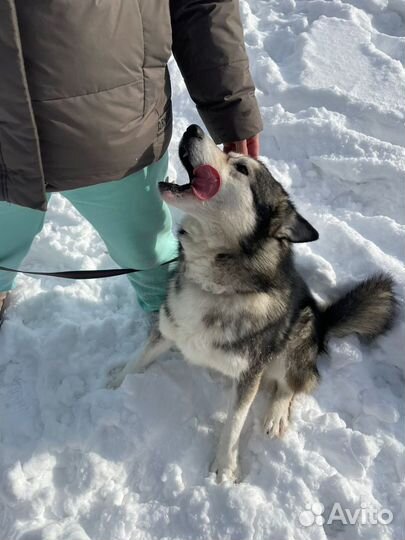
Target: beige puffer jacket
{"type": "Point", "coordinates": [85, 90]}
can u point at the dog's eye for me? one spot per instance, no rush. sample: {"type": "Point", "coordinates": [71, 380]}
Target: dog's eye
{"type": "Point", "coordinates": [242, 169]}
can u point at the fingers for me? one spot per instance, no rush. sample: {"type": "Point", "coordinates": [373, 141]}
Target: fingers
{"type": "Point", "coordinates": [249, 147]}
{"type": "Point", "coordinates": [241, 147]}
{"type": "Point", "coordinates": [253, 146]}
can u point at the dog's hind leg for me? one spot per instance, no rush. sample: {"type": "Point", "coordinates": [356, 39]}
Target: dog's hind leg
{"type": "Point", "coordinates": [156, 345]}
{"type": "Point", "coordinates": [243, 394]}
{"type": "Point", "coordinates": [294, 371]}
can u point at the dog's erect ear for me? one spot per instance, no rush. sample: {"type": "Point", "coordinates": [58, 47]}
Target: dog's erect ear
{"type": "Point", "coordinates": [296, 229]}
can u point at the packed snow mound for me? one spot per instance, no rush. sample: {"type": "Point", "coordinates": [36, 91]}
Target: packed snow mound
{"type": "Point", "coordinates": [81, 462]}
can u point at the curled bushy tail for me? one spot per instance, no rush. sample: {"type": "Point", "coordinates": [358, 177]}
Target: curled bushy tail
{"type": "Point", "coordinates": [367, 310]}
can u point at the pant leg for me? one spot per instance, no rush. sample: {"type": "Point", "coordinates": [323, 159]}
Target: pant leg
{"type": "Point", "coordinates": [136, 226]}
{"type": "Point", "coordinates": [18, 228]}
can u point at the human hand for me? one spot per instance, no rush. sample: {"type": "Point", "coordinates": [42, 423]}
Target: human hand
{"type": "Point", "coordinates": [248, 147]}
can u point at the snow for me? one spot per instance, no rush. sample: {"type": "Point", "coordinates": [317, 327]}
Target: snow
{"type": "Point", "coordinates": [81, 462]}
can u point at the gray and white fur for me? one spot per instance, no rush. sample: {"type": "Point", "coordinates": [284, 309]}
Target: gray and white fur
{"type": "Point", "coordinates": [237, 303]}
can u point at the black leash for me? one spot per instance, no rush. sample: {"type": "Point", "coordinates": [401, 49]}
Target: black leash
{"type": "Point", "coordinates": [86, 274]}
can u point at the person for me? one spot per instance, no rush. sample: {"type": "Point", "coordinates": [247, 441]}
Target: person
{"type": "Point", "coordinates": [85, 110]}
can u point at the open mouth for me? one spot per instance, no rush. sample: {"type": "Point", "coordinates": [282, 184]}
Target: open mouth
{"type": "Point", "coordinates": [205, 182]}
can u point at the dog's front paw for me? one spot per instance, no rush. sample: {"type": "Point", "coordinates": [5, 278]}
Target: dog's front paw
{"type": "Point", "coordinates": [277, 419]}
{"type": "Point", "coordinates": [116, 377]}
{"type": "Point", "coordinates": [224, 472]}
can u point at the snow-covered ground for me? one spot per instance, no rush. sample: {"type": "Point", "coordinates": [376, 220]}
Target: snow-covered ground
{"type": "Point", "coordinates": [81, 462]}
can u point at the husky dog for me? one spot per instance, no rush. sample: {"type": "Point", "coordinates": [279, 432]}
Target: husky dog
{"type": "Point", "coordinates": [237, 303]}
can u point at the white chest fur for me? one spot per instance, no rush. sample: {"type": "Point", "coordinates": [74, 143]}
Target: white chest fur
{"type": "Point", "coordinates": [187, 329]}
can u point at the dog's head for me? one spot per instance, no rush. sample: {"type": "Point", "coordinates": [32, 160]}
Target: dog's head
{"type": "Point", "coordinates": [235, 193]}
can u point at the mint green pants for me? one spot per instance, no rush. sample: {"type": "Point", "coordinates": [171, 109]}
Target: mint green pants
{"type": "Point", "coordinates": [128, 214]}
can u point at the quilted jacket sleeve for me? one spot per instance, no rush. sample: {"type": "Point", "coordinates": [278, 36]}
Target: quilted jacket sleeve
{"type": "Point", "coordinates": [209, 48]}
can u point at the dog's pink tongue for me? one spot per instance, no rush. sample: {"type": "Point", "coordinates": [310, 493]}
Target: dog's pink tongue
{"type": "Point", "coordinates": [206, 182]}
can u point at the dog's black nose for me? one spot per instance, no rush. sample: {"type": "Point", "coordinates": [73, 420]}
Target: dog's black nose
{"type": "Point", "coordinates": [194, 131]}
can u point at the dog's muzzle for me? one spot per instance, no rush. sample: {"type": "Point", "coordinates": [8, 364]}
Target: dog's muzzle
{"type": "Point", "coordinates": [205, 180]}
{"type": "Point", "coordinates": [191, 136]}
